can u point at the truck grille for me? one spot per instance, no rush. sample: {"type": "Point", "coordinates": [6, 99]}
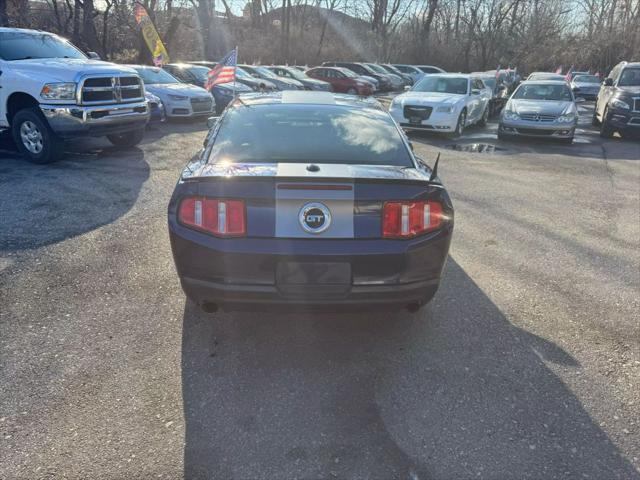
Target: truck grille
{"type": "Point", "coordinates": [536, 117]}
{"type": "Point", "coordinates": [201, 104]}
{"type": "Point", "coordinates": [636, 104]}
{"type": "Point", "coordinates": [115, 89]}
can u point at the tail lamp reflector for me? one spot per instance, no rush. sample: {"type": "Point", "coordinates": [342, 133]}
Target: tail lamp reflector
{"type": "Point", "coordinates": [224, 218]}
{"type": "Point", "coordinates": [409, 219]}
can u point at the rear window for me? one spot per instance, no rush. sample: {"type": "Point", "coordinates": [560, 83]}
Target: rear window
{"type": "Point", "coordinates": [309, 133]}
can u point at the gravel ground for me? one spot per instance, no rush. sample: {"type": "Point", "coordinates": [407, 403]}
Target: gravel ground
{"type": "Point", "coordinates": [525, 365]}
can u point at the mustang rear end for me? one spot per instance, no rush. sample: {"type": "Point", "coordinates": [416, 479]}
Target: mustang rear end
{"type": "Point", "coordinates": [309, 199]}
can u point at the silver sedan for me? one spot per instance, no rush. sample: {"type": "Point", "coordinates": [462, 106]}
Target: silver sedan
{"type": "Point", "coordinates": [540, 109]}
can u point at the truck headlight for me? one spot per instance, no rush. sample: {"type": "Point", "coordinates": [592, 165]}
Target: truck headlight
{"type": "Point", "coordinates": [59, 91]}
{"type": "Point", "coordinates": [445, 109]}
{"type": "Point", "coordinates": [178, 97]}
{"type": "Point", "coordinates": [620, 104]}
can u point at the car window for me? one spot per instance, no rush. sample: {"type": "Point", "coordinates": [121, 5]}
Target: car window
{"type": "Point", "coordinates": [586, 79]}
{"type": "Point", "coordinates": [309, 133]}
{"type": "Point", "coordinates": [438, 84]}
{"type": "Point", "coordinates": [19, 45]}
{"type": "Point", "coordinates": [543, 92]}
{"type": "Point", "coordinates": [630, 78]}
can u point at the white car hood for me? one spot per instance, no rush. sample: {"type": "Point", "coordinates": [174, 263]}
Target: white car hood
{"type": "Point", "coordinates": [185, 89]}
{"type": "Point", "coordinates": [428, 98]}
{"type": "Point", "coordinates": [66, 69]}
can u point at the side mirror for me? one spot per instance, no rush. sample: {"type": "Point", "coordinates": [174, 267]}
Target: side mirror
{"type": "Point", "coordinates": [411, 145]}
{"type": "Point", "coordinates": [407, 88]}
{"type": "Point", "coordinates": [579, 100]}
{"type": "Point", "coordinates": [608, 81]}
{"type": "Point", "coordinates": [575, 89]}
{"type": "Point", "coordinates": [475, 91]}
{"type": "Point", "coordinates": [502, 88]}
{"type": "Point", "coordinates": [93, 56]}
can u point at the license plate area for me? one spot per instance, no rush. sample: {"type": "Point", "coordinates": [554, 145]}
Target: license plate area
{"type": "Point", "coordinates": [313, 280]}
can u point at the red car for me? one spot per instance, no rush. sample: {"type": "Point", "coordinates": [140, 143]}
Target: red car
{"type": "Point", "coordinates": [342, 80]}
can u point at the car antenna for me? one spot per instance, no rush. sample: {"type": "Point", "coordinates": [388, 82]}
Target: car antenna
{"type": "Point", "coordinates": [434, 170]}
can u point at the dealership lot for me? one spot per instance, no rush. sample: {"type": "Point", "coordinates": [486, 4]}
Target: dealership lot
{"type": "Point", "coordinates": [525, 365]}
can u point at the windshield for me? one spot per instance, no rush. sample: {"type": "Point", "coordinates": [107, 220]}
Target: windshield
{"type": "Point", "coordinates": [630, 78]}
{"type": "Point", "coordinates": [295, 73]}
{"type": "Point", "coordinates": [489, 82]}
{"type": "Point", "coordinates": [377, 68]}
{"type": "Point", "coordinates": [543, 92]}
{"type": "Point", "coordinates": [435, 83]}
{"type": "Point", "coordinates": [586, 79]}
{"type": "Point", "coordinates": [349, 73]}
{"type": "Point", "coordinates": [200, 73]}
{"type": "Point", "coordinates": [242, 74]}
{"type": "Point", "coordinates": [309, 133]}
{"type": "Point", "coordinates": [265, 71]}
{"type": "Point", "coordinates": [545, 76]}
{"type": "Point", "coordinates": [156, 76]}
{"type": "Point", "coordinates": [22, 46]}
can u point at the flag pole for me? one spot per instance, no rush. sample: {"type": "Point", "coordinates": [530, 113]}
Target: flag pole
{"type": "Point", "coordinates": [234, 73]}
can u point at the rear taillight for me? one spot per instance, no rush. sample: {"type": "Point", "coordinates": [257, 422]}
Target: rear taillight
{"type": "Point", "coordinates": [223, 218]}
{"type": "Point", "coordinates": [408, 219]}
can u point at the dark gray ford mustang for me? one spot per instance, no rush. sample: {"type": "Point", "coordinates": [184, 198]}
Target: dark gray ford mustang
{"type": "Point", "coordinates": [309, 199]}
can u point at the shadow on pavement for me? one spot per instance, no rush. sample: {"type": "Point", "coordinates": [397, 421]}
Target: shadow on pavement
{"type": "Point", "coordinates": [45, 204]}
{"type": "Point", "coordinates": [453, 392]}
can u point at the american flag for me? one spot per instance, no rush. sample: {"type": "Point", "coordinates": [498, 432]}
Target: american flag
{"type": "Point", "coordinates": [223, 72]}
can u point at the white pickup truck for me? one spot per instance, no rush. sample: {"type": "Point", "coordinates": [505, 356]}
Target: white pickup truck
{"type": "Point", "coordinates": [51, 91]}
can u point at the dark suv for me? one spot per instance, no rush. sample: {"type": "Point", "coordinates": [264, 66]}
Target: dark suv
{"type": "Point", "coordinates": [383, 80]}
{"type": "Point", "coordinates": [618, 103]}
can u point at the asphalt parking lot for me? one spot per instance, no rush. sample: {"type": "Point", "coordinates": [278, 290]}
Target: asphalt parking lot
{"type": "Point", "coordinates": [525, 365]}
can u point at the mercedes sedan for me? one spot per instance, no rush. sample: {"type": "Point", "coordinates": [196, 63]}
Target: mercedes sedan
{"type": "Point", "coordinates": [540, 109]}
{"type": "Point", "coordinates": [309, 199]}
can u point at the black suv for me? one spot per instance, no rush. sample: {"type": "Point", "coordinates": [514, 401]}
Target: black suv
{"type": "Point", "coordinates": [384, 82]}
{"type": "Point", "coordinates": [618, 103]}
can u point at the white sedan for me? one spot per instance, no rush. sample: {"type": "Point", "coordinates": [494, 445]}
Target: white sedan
{"type": "Point", "coordinates": [446, 102]}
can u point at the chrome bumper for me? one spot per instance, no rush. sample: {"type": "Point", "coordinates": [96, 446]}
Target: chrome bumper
{"type": "Point", "coordinates": [76, 120]}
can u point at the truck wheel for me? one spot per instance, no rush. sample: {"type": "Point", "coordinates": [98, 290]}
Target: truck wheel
{"type": "Point", "coordinates": [605, 129]}
{"type": "Point", "coordinates": [34, 138]}
{"type": "Point", "coordinates": [129, 139]}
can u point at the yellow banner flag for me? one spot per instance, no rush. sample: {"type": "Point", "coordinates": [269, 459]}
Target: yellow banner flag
{"type": "Point", "coordinates": [151, 36]}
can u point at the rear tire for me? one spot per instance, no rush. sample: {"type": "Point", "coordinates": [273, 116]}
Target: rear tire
{"type": "Point", "coordinates": [605, 129]}
{"type": "Point", "coordinates": [34, 138]}
{"type": "Point", "coordinates": [129, 139]}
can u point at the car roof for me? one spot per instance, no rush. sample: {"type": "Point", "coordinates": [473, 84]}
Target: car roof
{"type": "Point", "coordinates": [306, 97]}
{"type": "Point", "coordinates": [632, 64]}
{"type": "Point", "coordinates": [450, 74]}
{"type": "Point", "coordinates": [24, 30]}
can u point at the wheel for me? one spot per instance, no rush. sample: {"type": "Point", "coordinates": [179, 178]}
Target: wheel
{"type": "Point", "coordinates": [594, 119]}
{"type": "Point", "coordinates": [34, 138]}
{"type": "Point", "coordinates": [485, 117]}
{"type": "Point", "coordinates": [462, 119]}
{"type": "Point", "coordinates": [129, 139]}
{"type": "Point", "coordinates": [352, 91]}
{"type": "Point", "coordinates": [605, 129]}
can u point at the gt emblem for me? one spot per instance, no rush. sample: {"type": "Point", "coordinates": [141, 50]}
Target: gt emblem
{"type": "Point", "coordinates": [314, 217]}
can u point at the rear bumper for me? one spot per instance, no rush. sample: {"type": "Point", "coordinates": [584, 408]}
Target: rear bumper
{"type": "Point", "coordinates": [243, 271]}
{"type": "Point", "coordinates": [358, 296]}
{"type": "Point", "coordinates": [75, 120]}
